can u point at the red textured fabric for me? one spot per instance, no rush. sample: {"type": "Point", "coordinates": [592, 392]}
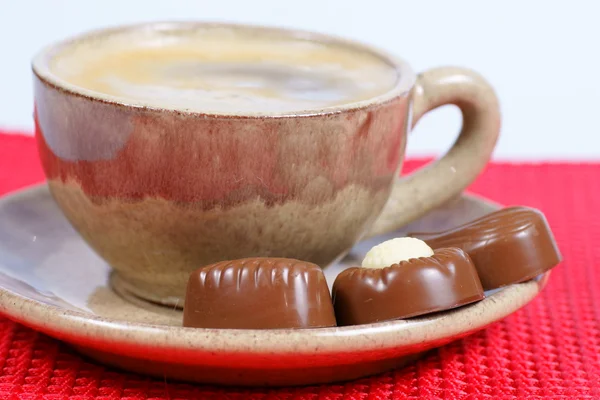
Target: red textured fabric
{"type": "Point", "coordinates": [549, 349]}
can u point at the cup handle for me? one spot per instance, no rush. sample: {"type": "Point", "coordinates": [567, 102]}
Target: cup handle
{"type": "Point", "coordinates": [440, 181]}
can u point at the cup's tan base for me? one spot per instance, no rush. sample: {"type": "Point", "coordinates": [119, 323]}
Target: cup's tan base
{"type": "Point", "coordinates": [260, 376]}
{"type": "Point", "coordinates": [311, 232]}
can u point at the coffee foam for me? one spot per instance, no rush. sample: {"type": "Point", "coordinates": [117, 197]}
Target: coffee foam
{"type": "Point", "coordinates": [223, 70]}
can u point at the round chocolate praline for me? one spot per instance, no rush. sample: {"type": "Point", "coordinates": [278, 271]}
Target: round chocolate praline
{"type": "Point", "coordinates": [418, 286]}
{"type": "Point", "coordinates": [258, 293]}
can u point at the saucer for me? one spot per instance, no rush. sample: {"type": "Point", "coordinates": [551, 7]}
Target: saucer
{"type": "Point", "coordinates": [50, 280]}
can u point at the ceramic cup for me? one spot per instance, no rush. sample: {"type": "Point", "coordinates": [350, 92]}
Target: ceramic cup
{"type": "Point", "coordinates": [158, 192]}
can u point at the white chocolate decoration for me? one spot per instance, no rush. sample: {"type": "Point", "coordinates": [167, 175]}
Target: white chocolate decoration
{"type": "Point", "coordinates": [394, 251]}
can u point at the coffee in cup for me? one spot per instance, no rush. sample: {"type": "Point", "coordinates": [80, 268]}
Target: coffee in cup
{"type": "Point", "coordinates": [225, 71]}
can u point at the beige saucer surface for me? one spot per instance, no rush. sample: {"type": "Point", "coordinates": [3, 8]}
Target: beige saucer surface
{"type": "Point", "coordinates": [51, 281]}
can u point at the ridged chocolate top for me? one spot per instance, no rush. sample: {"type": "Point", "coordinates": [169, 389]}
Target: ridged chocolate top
{"type": "Point", "coordinates": [418, 286]}
{"type": "Point", "coordinates": [508, 246]}
{"type": "Point", "coordinates": [258, 293]}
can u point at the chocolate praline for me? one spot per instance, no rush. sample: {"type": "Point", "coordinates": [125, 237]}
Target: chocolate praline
{"type": "Point", "coordinates": [418, 286]}
{"type": "Point", "coordinates": [258, 293]}
{"type": "Point", "coordinates": [508, 246]}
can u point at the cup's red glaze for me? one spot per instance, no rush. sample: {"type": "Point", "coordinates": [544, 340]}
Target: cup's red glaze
{"type": "Point", "coordinates": [160, 192]}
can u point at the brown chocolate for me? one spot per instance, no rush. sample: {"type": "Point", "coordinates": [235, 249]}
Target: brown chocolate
{"type": "Point", "coordinates": [508, 246]}
{"type": "Point", "coordinates": [410, 288]}
{"type": "Point", "coordinates": [258, 293]}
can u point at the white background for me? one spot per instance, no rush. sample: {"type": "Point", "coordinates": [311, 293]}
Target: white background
{"type": "Point", "coordinates": [543, 57]}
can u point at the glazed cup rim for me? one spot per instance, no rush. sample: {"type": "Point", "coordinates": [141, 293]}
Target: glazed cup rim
{"type": "Point", "coordinates": [404, 83]}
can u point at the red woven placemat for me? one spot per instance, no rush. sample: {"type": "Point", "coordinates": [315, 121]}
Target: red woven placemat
{"type": "Point", "coordinates": [549, 349]}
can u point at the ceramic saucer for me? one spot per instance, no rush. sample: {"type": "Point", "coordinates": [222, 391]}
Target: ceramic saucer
{"type": "Point", "coordinates": [51, 281]}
